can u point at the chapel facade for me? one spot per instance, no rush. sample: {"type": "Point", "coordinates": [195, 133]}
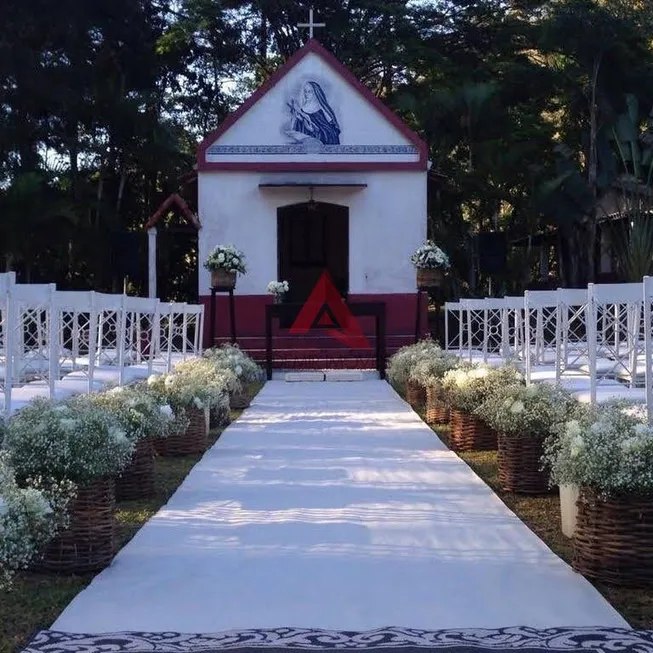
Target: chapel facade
{"type": "Point", "coordinates": [314, 173]}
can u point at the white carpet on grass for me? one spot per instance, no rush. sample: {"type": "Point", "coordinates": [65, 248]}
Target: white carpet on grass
{"type": "Point", "coordinates": [332, 505]}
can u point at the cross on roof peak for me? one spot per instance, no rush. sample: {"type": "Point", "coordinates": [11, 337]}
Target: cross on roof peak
{"type": "Point", "coordinates": [311, 23]}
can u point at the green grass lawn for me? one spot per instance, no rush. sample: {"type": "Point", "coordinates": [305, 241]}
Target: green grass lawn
{"type": "Point", "coordinates": [542, 516]}
{"type": "Point", "coordinates": [37, 600]}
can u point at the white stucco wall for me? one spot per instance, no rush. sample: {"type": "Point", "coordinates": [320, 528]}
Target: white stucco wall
{"type": "Point", "coordinates": [387, 222]}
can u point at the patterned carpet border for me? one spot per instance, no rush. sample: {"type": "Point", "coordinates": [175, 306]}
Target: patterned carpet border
{"type": "Point", "coordinates": [526, 640]}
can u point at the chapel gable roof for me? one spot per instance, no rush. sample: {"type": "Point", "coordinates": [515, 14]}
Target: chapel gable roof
{"type": "Point", "coordinates": [410, 139]}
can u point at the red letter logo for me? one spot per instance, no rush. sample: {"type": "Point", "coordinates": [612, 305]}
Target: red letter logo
{"type": "Point", "coordinates": [326, 309]}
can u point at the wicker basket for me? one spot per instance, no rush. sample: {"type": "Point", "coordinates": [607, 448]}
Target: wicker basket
{"type": "Point", "coordinates": [613, 541]}
{"type": "Point", "coordinates": [239, 400]}
{"type": "Point", "coordinates": [429, 278]}
{"type": "Point", "coordinates": [89, 542]}
{"type": "Point", "coordinates": [223, 279]}
{"type": "Point", "coordinates": [219, 418]}
{"type": "Point", "coordinates": [415, 394]}
{"type": "Point", "coordinates": [437, 412]}
{"type": "Point", "coordinates": [519, 460]}
{"type": "Point", "coordinates": [469, 433]}
{"type": "Point", "coordinates": [194, 439]}
{"type": "Point", "coordinates": [137, 481]}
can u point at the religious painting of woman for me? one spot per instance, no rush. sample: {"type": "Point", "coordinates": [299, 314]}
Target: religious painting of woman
{"type": "Point", "coordinates": [312, 117]}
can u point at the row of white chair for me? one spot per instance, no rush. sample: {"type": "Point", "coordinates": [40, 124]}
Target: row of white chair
{"type": "Point", "coordinates": [591, 340]}
{"type": "Point", "coordinates": [56, 343]}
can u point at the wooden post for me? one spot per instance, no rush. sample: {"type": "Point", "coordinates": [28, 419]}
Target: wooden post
{"type": "Point", "coordinates": [151, 261]}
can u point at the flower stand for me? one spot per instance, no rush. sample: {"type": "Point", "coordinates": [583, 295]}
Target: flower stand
{"type": "Point", "coordinates": [613, 541]}
{"type": "Point", "coordinates": [193, 440]}
{"type": "Point", "coordinates": [223, 279]}
{"type": "Point", "coordinates": [88, 544]}
{"type": "Point", "coordinates": [137, 480]}
{"type": "Point", "coordinates": [519, 459]}
{"type": "Point", "coordinates": [415, 394]}
{"type": "Point", "coordinates": [568, 509]}
{"type": "Point", "coordinates": [469, 433]}
{"type": "Point", "coordinates": [437, 411]}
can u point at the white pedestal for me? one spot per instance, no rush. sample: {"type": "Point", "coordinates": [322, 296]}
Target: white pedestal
{"type": "Point", "coordinates": [568, 510]}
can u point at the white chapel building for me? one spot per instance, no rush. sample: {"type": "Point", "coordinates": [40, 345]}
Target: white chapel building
{"type": "Point", "coordinates": [314, 173]}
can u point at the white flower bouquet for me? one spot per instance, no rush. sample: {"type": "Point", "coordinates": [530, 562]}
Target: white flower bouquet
{"type": "Point", "coordinates": [430, 257]}
{"type": "Point", "coordinates": [232, 358]}
{"type": "Point", "coordinates": [30, 517]}
{"type": "Point", "coordinates": [468, 386]}
{"type": "Point", "coordinates": [536, 410]}
{"type": "Point", "coordinates": [72, 440]}
{"type": "Point", "coordinates": [227, 258]}
{"type": "Point", "coordinates": [138, 411]}
{"type": "Point", "coordinates": [278, 288]}
{"type": "Point", "coordinates": [402, 362]}
{"type": "Point", "coordinates": [606, 449]}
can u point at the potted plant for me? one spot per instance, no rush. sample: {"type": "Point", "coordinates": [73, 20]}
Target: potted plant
{"type": "Point", "coordinates": [428, 372]}
{"type": "Point", "coordinates": [466, 388]}
{"type": "Point", "coordinates": [607, 453]}
{"type": "Point", "coordinates": [400, 365]}
{"type": "Point", "coordinates": [30, 517]}
{"type": "Point", "coordinates": [225, 262]}
{"type": "Point", "coordinates": [79, 442]}
{"type": "Point", "coordinates": [278, 289]}
{"type": "Point", "coordinates": [143, 419]}
{"type": "Point", "coordinates": [431, 263]}
{"type": "Point", "coordinates": [525, 417]}
{"type": "Point", "coordinates": [234, 361]}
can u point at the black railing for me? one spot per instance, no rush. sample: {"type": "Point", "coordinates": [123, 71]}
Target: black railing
{"type": "Point", "coordinates": [377, 310]}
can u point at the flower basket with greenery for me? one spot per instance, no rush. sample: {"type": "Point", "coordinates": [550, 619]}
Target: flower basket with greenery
{"type": "Point", "coordinates": [30, 518]}
{"type": "Point", "coordinates": [525, 417]}
{"type": "Point", "coordinates": [465, 389]}
{"type": "Point", "coordinates": [431, 264]}
{"type": "Point", "coordinates": [143, 419]}
{"type": "Point", "coordinates": [194, 388]}
{"type": "Point", "coordinates": [428, 373]}
{"type": "Point", "coordinates": [225, 262]}
{"type": "Point", "coordinates": [607, 452]}
{"type": "Point", "coordinates": [80, 442]}
{"type": "Point", "coordinates": [402, 362]}
{"type": "Point", "coordinates": [245, 370]}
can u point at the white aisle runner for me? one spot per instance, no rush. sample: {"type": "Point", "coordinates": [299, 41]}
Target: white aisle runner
{"type": "Point", "coordinates": [332, 505]}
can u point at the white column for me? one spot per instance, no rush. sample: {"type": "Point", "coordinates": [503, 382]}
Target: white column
{"type": "Point", "coordinates": [151, 261]}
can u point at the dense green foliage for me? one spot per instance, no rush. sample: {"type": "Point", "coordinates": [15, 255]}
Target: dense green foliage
{"type": "Point", "coordinates": [533, 112]}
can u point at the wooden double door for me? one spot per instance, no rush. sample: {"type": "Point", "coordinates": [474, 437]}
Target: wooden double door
{"type": "Point", "coordinates": [312, 237]}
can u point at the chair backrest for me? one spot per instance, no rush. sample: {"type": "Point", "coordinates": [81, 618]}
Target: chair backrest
{"type": "Point", "coordinates": [453, 326]}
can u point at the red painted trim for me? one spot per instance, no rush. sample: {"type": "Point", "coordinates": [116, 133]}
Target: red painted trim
{"type": "Point", "coordinates": [313, 46]}
{"type": "Point", "coordinates": [317, 166]}
{"type": "Point", "coordinates": [177, 201]}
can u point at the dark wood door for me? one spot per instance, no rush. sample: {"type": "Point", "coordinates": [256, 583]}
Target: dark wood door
{"type": "Point", "coordinates": [311, 239]}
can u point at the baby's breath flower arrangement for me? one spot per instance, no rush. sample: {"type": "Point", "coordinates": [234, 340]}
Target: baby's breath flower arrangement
{"type": "Point", "coordinates": [402, 362]}
{"type": "Point", "coordinates": [604, 448]}
{"type": "Point", "coordinates": [231, 357]}
{"type": "Point", "coordinates": [138, 412]}
{"type": "Point", "coordinates": [226, 257]}
{"type": "Point", "coordinates": [73, 440]}
{"type": "Point", "coordinates": [278, 288]}
{"type": "Point", "coordinates": [194, 383]}
{"type": "Point", "coordinates": [536, 410]}
{"type": "Point", "coordinates": [429, 371]}
{"type": "Point", "coordinates": [30, 517]}
{"type": "Point", "coordinates": [468, 386]}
